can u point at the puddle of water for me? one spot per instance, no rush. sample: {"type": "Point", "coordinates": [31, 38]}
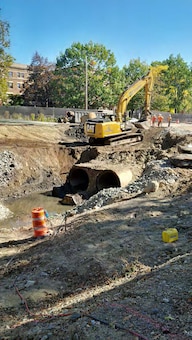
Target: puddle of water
{"type": "Point", "coordinates": [21, 208]}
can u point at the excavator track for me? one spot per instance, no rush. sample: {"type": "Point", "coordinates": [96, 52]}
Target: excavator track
{"type": "Point", "coordinates": [122, 138]}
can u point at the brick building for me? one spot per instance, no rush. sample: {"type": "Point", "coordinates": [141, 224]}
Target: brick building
{"type": "Point", "coordinates": [18, 74]}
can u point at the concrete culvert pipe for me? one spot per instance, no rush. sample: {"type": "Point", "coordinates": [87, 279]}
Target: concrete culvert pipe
{"type": "Point", "coordinates": [78, 179]}
{"type": "Point", "coordinates": [110, 178]}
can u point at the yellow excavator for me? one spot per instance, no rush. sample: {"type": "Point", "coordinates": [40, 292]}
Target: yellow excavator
{"type": "Point", "coordinates": [112, 130]}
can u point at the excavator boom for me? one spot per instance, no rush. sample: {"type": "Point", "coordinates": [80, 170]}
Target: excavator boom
{"type": "Point", "coordinates": [128, 95]}
{"type": "Point", "coordinates": [146, 82]}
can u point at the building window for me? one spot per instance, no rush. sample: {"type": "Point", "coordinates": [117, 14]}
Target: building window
{"type": "Point", "coordinates": [10, 85]}
{"type": "Point", "coordinates": [20, 75]}
{"type": "Point", "coordinates": [19, 85]}
{"type": "Point", "coordinates": [10, 74]}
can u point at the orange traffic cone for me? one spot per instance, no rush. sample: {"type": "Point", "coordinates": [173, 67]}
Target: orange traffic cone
{"type": "Point", "coordinates": [39, 222]}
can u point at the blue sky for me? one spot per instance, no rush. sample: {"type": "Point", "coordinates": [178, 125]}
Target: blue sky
{"type": "Point", "coordinates": [147, 29]}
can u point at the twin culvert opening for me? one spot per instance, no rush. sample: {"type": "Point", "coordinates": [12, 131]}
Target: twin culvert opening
{"type": "Point", "coordinates": [92, 179]}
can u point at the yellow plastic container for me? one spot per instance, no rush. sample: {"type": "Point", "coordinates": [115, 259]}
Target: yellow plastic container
{"type": "Point", "coordinates": [170, 235]}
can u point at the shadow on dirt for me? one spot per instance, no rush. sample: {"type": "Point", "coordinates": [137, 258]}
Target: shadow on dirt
{"type": "Point", "coordinates": [95, 257]}
{"type": "Point", "coordinates": [120, 310]}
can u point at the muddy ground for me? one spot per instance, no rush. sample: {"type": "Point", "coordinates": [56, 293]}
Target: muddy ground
{"type": "Point", "coordinates": [106, 273]}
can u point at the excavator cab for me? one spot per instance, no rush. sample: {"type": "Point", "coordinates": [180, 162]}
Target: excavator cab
{"type": "Point", "coordinates": [108, 117]}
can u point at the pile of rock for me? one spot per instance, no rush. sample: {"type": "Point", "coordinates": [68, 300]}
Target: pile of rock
{"type": "Point", "coordinates": [77, 132]}
{"type": "Point", "coordinates": [7, 167]}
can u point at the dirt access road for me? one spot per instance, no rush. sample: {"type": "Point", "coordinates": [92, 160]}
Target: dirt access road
{"type": "Point", "coordinates": [106, 273]}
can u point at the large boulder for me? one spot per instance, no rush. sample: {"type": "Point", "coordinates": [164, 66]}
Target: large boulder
{"type": "Point", "coordinates": [152, 186]}
{"type": "Point", "coordinates": [185, 148]}
{"type": "Point", "coordinates": [183, 160]}
{"type": "Point", "coordinates": [145, 125]}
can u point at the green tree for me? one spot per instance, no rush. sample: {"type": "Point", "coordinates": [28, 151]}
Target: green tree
{"type": "Point", "coordinates": [5, 59]}
{"type": "Point", "coordinates": [105, 80]}
{"type": "Point", "coordinates": [37, 90]}
{"type": "Point", "coordinates": [15, 99]}
{"type": "Point", "coordinates": [178, 81]}
{"type": "Point", "coordinates": [133, 72]}
{"type": "Point", "coordinates": [160, 101]}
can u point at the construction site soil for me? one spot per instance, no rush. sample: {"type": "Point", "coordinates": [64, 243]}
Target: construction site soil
{"type": "Point", "coordinates": [105, 273]}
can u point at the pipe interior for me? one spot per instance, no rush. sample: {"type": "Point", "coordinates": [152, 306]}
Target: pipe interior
{"type": "Point", "coordinates": [78, 179]}
{"type": "Point", "coordinates": [107, 179]}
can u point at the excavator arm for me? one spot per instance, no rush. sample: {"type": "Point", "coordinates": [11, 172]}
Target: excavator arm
{"type": "Point", "coordinates": [146, 82]}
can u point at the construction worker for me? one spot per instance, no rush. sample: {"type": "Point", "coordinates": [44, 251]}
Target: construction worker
{"type": "Point", "coordinates": [159, 120]}
{"type": "Point", "coordinates": [153, 120]}
{"type": "Point", "coordinates": [169, 120]}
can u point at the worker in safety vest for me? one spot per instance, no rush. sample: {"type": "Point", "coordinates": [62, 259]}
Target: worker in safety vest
{"type": "Point", "coordinates": [169, 120]}
{"type": "Point", "coordinates": [159, 120]}
{"type": "Point", "coordinates": [153, 120]}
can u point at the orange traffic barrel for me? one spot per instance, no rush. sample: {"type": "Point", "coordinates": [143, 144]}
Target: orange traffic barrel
{"type": "Point", "coordinates": [39, 222]}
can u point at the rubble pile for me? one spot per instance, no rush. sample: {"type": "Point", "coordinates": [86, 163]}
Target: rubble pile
{"type": "Point", "coordinates": [7, 166]}
{"type": "Point", "coordinates": [172, 137]}
{"type": "Point", "coordinates": [160, 171]}
{"type": "Point", "coordinates": [77, 132]}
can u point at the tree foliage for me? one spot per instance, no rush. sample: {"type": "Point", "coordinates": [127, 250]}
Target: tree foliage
{"type": "Point", "coordinates": [5, 59]}
{"type": "Point", "coordinates": [133, 72]}
{"type": "Point", "coordinates": [38, 90]}
{"type": "Point", "coordinates": [172, 90]}
{"type": "Point", "coordinates": [104, 78]}
{"type": "Point", "coordinates": [178, 81]}
{"type": "Point", "coordinates": [15, 100]}
{"type": "Point", "coordinates": [64, 84]}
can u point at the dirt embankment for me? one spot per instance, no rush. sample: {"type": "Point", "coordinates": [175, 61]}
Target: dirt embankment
{"type": "Point", "coordinates": [32, 158]}
{"type": "Point", "coordinates": [106, 273]}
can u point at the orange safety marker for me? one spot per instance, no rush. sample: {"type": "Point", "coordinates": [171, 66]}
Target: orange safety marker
{"type": "Point", "coordinates": [39, 222]}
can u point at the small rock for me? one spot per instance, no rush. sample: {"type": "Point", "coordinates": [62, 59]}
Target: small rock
{"type": "Point", "coordinates": [29, 283]}
{"type": "Point", "coordinates": [152, 186]}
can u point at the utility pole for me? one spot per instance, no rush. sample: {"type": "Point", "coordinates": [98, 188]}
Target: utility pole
{"type": "Point", "coordinates": [86, 85]}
